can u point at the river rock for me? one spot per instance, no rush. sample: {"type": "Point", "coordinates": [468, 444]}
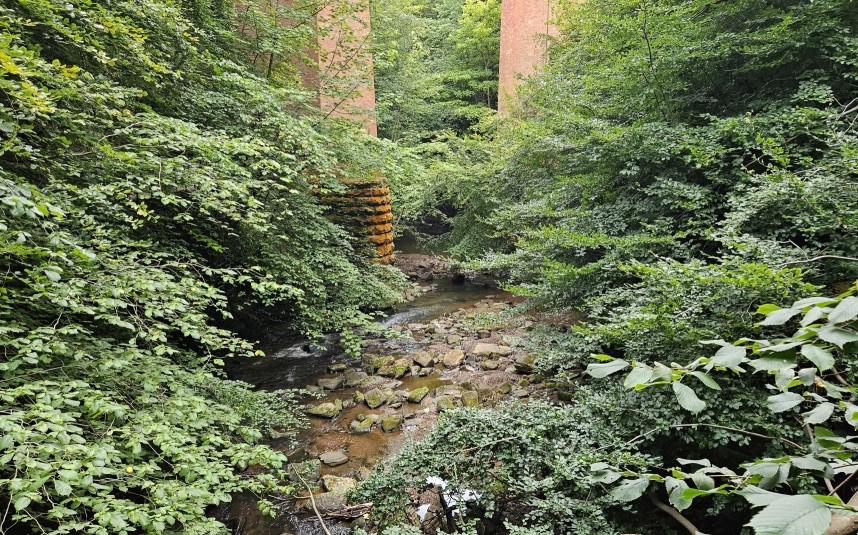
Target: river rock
{"type": "Point", "coordinates": [338, 485]}
{"type": "Point", "coordinates": [331, 383]}
{"type": "Point", "coordinates": [454, 339]}
{"type": "Point", "coordinates": [415, 371]}
{"type": "Point", "coordinates": [449, 390]}
{"type": "Point", "coordinates": [520, 393]}
{"type": "Point", "coordinates": [505, 388]}
{"type": "Point", "coordinates": [444, 403]}
{"type": "Point", "coordinates": [454, 358]}
{"type": "Point", "coordinates": [358, 397]}
{"type": "Point", "coordinates": [417, 395]}
{"type": "Point", "coordinates": [334, 458]}
{"type": "Point", "coordinates": [424, 359]}
{"type": "Point", "coordinates": [391, 423]}
{"type": "Point", "coordinates": [488, 350]}
{"type": "Point", "coordinates": [337, 367]}
{"type": "Point", "coordinates": [375, 398]}
{"type": "Point", "coordinates": [470, 399]}
{"type": "Point", "coordinates": [372, 380]}
{"type": "Point", "coordinates": [524, 364]}
{"type": "Point", "coordinates": [361, 427]}
{"type": "Point", "coordinates": [489, 364]}
{"type": "Point", "coordinates": [354, 378]}
{"type": "Point", "coordinates": [395, 369]}
{"type": "Point", "coordinates": [380, 362]}
{"type": "Point", "coordinates": [327, 409]}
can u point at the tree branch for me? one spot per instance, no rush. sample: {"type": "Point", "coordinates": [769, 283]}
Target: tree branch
{"type": "Point", "coordinates": [692, 529]}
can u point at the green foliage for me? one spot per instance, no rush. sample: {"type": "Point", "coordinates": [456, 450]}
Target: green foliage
{"type": "Point", "coordinates": [151, 188]}
{"type": "Point", "coordinates": [805, 370]}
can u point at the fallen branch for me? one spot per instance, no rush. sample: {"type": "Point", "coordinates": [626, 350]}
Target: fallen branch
{"type": "Point", "coordinates": [692, 529]}
{"type": "Point", "coordinates": [312, 499]}
{"type": "Point", "coordinates": [351, 512]}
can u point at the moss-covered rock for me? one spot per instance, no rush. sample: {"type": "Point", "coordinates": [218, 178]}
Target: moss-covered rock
{"type": "Point", "coordinates": [417, 395]}
{"type": "Point", "coordinates": [375, 398]}
{"type": "Point", "coordinates": [391, 423]}
{"type": "Point", "coordinates": [327, 409]}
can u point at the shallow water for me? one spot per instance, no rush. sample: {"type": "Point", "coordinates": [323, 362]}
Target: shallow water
{"type": "Point", "coordinates": [291, 363]}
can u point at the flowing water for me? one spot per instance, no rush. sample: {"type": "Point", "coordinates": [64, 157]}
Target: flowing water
{"type": "Point", "coordinates": [291, 363]}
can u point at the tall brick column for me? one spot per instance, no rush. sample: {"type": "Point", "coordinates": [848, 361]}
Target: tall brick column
{"type": "Point", "coordinates": [346, 78]}
{"type": "Point", "coordinates": [524, 26]}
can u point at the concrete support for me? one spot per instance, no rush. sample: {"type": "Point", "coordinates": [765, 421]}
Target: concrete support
{"type": "Point", "coordinates": [525, 26]}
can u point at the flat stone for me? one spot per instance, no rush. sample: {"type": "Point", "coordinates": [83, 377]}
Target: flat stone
{"type": "Point", "coordinates": [354, 378]}
{"type": "Point", "coordinates": [331, 383]}
{"type": "Point", "coordinates": [391, 423]}
{"type": "Point", "coordinates": [489, 364]}
{"type": "Point", "coordinates": [327, 409]}
{"type": "Point", "coordinates": [337, 367]}
{"type": "Point", "coordinates": [375, 398]}
{"type": "Point", "coordinates": [358, 426]}
{"type": "Point", "coordinates": [334, 458]}
{"type": "Point", "coordinates": [483, 349]}
{"type": "Point", "coordinates": [520, 393]}
{"type": "Point", "coordinates": [372, 380]}
{"type": "Point", "coordinates": [454, 339]}
{"type": "Point", "coordinates": [417, 395]}
{"type": "Point", "coordinates": [454, 358]}
{"type": "Point", "coordinates": [380, 362]}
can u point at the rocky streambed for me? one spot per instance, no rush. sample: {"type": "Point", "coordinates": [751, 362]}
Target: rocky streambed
{"type": "Point", "coordinates": [448, 351]}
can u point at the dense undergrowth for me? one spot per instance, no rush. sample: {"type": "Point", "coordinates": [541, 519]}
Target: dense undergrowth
{"type": "Point", "coordinates": [676, 166]}
{"type": "Point", "coordinates": [155, 185]}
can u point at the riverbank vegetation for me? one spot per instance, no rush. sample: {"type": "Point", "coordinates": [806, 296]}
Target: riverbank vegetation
{"type": "Point", "coordinates": [678, 171]}
{"type": "Point", "coordinates": [158, 190]}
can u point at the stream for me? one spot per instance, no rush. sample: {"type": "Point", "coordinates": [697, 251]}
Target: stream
{"type": "Point", "coordinates": [291, 363]}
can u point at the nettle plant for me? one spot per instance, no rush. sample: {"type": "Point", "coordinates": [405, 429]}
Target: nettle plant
{"type": "Point", "coordinates": [807, 374]}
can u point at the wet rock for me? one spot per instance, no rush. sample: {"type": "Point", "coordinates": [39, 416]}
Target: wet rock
{"type": "Point", "coordinates": [358, 397]}
{"type": "Point", "coordinates": [415, 371]}
{"type": "Point", "coordinates": [454, 358]}
{"type": "Point", "coordinates": [348, 404]}
{"type": "Point", "coordinates": [417, 395]}
{"type": "Point", "coordinates": [470, 399]}
{"type": "Point", "coordinates": [396, 405]}
{"type": "Point", "coordinates": [380, 362]}
{"type": "Point", "coordinates": [489, 350]}
{"type": "Point", "coordinates": [334, 458]}
{"type": "Point", "coordinates": [424, 359]}
{"type": "Point", "coordinates": [391, 423]}
{"type": "Point", "coordinates": [337, 367]}
{"type": "Point", "coordinates": [372, 380]}
{"type": "Point", "coordinates": [327, 409]}
{"type": "Point", "coordinates": [364, 426]}
{"type": "Point", "coordinates": [489, 364]}
{"type": "Point", "coordinates": [354, 378]}
{"type": "Point", "coordinates": [375, 398]}
{"type": "Point", "coordinates": [330, 384]}
{"type": "Point", "coordinates": [426, 371]}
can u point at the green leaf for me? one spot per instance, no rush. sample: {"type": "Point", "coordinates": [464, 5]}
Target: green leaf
{"type": "Point", "coordinates": [22, 502]}
{"type": "Point", "coordinates": [773, 363]}
{"type": "Point", "coordinates": [675, 488]}
{"type": "Point", "coordinates": [600, 371]}
{"type": "Point", "coordinates": [52, 275]}
{"type": "Point", "coordinates": [804, 303]}
{"type": "Point", "coordinates": [630, 490]}
{"type": "Point", "coordinates": [759, 497]}
{"type": "Point", "coordinates": [62, 488]}
{"type": "Point", "coordinates": [837, 336]}
{"type": "Point", "coordinates": [729, 356]}
{"type": "Point", "coordinates": [687, 399]}
{"type": "Point", "coordinates": [793, 515]}
{"type": "Point", "coordinates": [638, 376]}
{"type": "Point", "coordinates": [821, 358]}
{"type": "Point", "coordinates": [819, 414]}
{"type": "Point", "coordinates": [845, 312]}
{"type": "Point", "coordinates": [702, 481]}
{"type": "Point", "coordinates": [784, 402]}
{"type": "Point", "coordinates": [706, 380]}
{"type": "Point", "coordinates": [767, 309]}
{"type": "Point", "coordinates": [779, 317]}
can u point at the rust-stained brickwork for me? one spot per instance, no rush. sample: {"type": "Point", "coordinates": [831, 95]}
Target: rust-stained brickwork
{"type": "Point", "coordinates": [364, 209]}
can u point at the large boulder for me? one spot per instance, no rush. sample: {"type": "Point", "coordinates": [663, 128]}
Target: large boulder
{"type": "Point", "coordinates": [395, 369]}
{"type": "Point", "coordinates": [483, 349]}
{"type": "Point", "coordinates": [327, 409]}
{"type": "Point", "coordinates": [454, 358]}
{"type": "Point", "coordinates": [375, 398]}
{"type": "Point", "coordinates": [417, 395]}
